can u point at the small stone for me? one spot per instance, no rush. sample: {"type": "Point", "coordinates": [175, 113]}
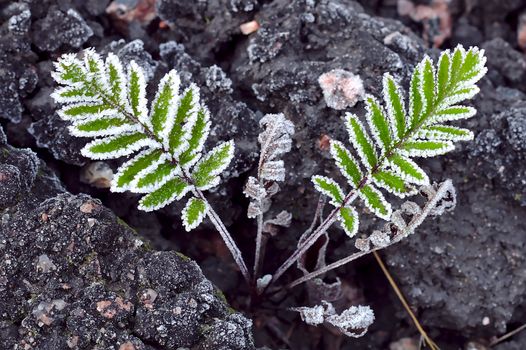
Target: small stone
{"type": "Point", "coordinates": [324, 142]}
{"type": "Point", "coordinates": [249, 27]}
{"type": "Point", "coordinates": [341, 89]}
{"type": "Point", "coordinates": [45, 265]}
{"type": "Point", "coordinates": [127, 346]}
{"type": "Point", "coordinates": [148, 298]}
{"type": "Point", "coordinates": [88, 207]}
{"type": "Point", "coordinates": [404, 344]}
{"type": "Point", "coordinates": [217, 80]}
{"type": "Point", "coordinates": [19, 24]}
{"type": "Point", "coordinates": [97, 174]}
{"type": "Point", "coordinates": [521, 31]}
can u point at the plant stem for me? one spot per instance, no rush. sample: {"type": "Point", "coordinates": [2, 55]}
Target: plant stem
{"type": "Point", "coordinates": [227, 237]}
{"type": "Point", "coordinates": [413, 224]}
{"type": "Point", "coordinates": [258, 255]}
{"type": "Point", "coordinates": [324, 226]}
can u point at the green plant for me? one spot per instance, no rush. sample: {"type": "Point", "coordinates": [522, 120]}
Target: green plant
{"type": "Point", "coordinates": [398, 134]}
{"type": "Point", "coordinates": [105, 102]}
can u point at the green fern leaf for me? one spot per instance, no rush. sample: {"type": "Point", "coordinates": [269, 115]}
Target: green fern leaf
{"type": "Point", "coordinates": [117, 146]}
{"type": "Point", "coordinates": [193, 213]}
{"type": "Point", "coordinates": [346, 163]}
{"type": "Point", "coordinates": [375, 201]}
{"type": "Point", "coordinates": [416, 98]}
{"type": "Point", "coordinates": [213, 163]}
{"type": "Point", "coordinates": [378, 123]}
{"type": "Point", "coordinates": [164, 103]}
{"type": "Point", "coordinates": [69, 71]}
{"type": "Point", "coordinates": [182, 125]}
{"type": "Point", "coordinates": [80, 111]}
{"type": "Point", "coordinates": [428, 87]}
{"type": "Point", "coordinates": [445, 132]}
{"type": "Point", "coordinates": [122, 181]}
{"type": "Point", "coordinates": [198, 134]}
{"type": "Point", "coordinates": [171, 191]}
{"type": "Point", "coordinates": [420, 132]}
{"type": "Point", "coordinates": [104, 126]}
{"type": "Point", "coordinates": [329, 188]}
{"type": "Point", "coordinates": [426, 148]}
{"type": "Point", "coordinates": [393, 183]}
{"type": "Point", "coordinates": [361, 141]}
{"type": "Point", "coordinates": [137, 94]}
{"type": "Point", "coordinates": [116, 79]}
{"type": "Point", "coordinates": [408, 170]}
{"type": "Point", "coordinates": [395, 106]}
{"type": "Point", "coordinates": [348, 218]}
{"type": "Point", "coordinates": [154, 176]}
{"type": "Point", "coordinates": [452, 113]}
{"type": "Point", "coordinates": [443, 74]}
{"type": "Point", "coordinates": [107, 102]}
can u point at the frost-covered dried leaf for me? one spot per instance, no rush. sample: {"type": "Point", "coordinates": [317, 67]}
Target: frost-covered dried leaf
{"type": "Point", "coordinates": [313, 316]}
{"type": "Point", "coordinates": [353, 322]}
{"type": "Point", "coordinates": [380, 238]}
{"type": "Point", "coordinates": [273, 170]}
{"type": "Point", "coordinates": [254, 190]}
{"type": "Point", "coordinates": [283, 219]}
{"type": "Point", "coordinates": [275, 140]}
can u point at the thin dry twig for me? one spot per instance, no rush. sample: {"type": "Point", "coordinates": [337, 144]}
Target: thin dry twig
{"type": "Point", "coordinates": [432, 345]}
{"type": "Point", "coordinates": [507, 335]}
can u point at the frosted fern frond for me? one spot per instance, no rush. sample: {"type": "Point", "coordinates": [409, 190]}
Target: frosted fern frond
{"type": "Point", "coordinates": [395, 133]}
{"type": "Point", "coordinates": [164, 138]}
{"type": "Point", "coordinates": [275, 140]}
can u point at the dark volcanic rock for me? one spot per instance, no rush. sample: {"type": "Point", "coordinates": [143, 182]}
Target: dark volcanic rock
{"type": "Point", "coordinates": [499, 152]}
{"type": "Point", "coordinates": [206, 26]}
{"type": "Point", "coordinates": [72, 275]}
{"type": "Point", "coordinates": [17, 74]}
{"type": "Point", "coordinates": [52, 133]}
{"type": "Point", "coordinates": [465, 270]}
{"type": "Point", "coordinates": [451, 279]}
{"type": "Point", "coordinates": [509, 63]}
{"type": "Point", "coordinates": [60, 28]}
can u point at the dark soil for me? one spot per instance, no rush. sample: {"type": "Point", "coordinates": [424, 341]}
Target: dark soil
{"type": "Point", "coordinates": [463, 273]}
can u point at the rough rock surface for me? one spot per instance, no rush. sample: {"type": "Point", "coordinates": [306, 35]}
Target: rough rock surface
{"type": "Point", "coordinates": [72, 275]}
{"type": "Point", "coordinates": [444, 268]}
